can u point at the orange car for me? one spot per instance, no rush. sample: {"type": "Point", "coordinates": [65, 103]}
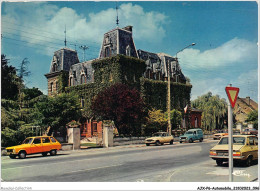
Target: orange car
{"type": "Point", "coordinates": [34, 145]}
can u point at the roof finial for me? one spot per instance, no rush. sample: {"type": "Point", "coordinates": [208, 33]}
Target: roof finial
{"type": "Point", "coordinates": [65, 41]}
{"type": "Point", "coordinates": [117, 20]}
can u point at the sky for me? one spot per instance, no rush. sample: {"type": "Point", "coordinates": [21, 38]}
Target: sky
{"type": "Point", "coordinates": [225, 33]}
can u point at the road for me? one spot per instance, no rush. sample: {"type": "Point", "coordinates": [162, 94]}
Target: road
{"type": "Point", "coordinates": [188, 162]}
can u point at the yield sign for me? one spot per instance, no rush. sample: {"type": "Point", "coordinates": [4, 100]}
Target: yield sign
{"type": "Point", "coordinates": [232, 93]}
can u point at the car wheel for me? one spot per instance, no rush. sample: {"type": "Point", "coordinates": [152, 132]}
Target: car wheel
{"type": "Point", "coordinates": [22, 155]}
{"type": "Point", "coordinates": [53, 152]}
{"type": "Point", "coordinates": [180, 141]}
{"type": "Point", "coordinates": [190, 140]}
{"type": "Point", "coordinates": [219, 162]}
{"type": "Point", "coordinates": [44, 154]}
{"type": "Point", "coordinates": [201, 139]}
{"type": "Point", "coordinates": [147, 144]}
{"type": "Point", "coordinates": [171, 142]}
{"type": "Point", "coordinates": [248, 161]}
{"type": "Point", "coordinates": [12, 156]}
{"type": "Point", "coordinates": [157, 143]}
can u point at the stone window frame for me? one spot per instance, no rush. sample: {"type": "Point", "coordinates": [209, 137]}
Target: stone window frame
{"type": "Point", "coordinates": [107, 51]}
{"type": "Point", "coordinates": [52, 88]}
{"type": "Point", "coordinates": [71, 80]}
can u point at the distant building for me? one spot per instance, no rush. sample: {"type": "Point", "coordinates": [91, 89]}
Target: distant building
{"type": "Point", "coordinates": [119, 62]}
{"type": "Point", "coordinates": [243, 107]}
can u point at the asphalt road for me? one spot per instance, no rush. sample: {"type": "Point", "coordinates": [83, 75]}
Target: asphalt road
{"type": "Point", "coordinates": [168, 163]}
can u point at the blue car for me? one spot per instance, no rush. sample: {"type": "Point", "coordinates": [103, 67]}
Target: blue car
{"type": "Point", "coordinates": [192, 135]}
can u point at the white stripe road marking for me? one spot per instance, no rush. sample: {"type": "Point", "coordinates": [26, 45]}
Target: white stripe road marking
{"type": "Point", "coordinates": [93, 168]}
{"type": "Point", "coordinates": [45, 164]}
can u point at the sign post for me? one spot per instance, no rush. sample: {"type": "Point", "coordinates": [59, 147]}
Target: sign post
{"type": "Point", "coordinates": [232, 93]}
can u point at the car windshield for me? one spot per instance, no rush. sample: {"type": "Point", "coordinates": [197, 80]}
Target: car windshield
{"type": "Point", "coordinates": [236, 141]}
{"type": "Point", "coordinates": [157, 134]}
{"type": "Point", "coordinates": [189, 132]}
{"type": "Point", "coordinates": [28, 141]}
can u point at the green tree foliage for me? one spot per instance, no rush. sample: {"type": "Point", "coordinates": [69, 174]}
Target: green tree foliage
{"type": "Point", "coordinates": [57, 111]}
{"type": "Point", "coordinates": [123, 105]}
{"type": "Point", "coordinates": [253, 118]}
{"type": "Point", "coordinates": [31, 93]}
{"type": "Point", "coordinates": [176, 117]}
{"type": "Point", "coordinates": [214, 111]}
{"type": "Point", "coordinates": [157, 121]}
{"type": "Point", "coordinates": [9, 86]}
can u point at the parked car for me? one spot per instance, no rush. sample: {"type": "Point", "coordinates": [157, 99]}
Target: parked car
{"type": "Point", "coordinates": [34, 145]}
{"type": "Point", "coordinates": [192, 135]}
{"type": "Point", "coordinates": [220, 134]}
{"type": "Point", "coordinates": [249, 131]}
{"type": "Point", "coordinates": [159, 138]}
{"type": "Point", "coordinates": [245, 149]}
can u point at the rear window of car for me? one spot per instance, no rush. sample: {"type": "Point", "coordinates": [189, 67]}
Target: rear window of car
{"type": "Point", "coordinates": [236, 141]}
{"type": "Point", "coordinates": [53, 140]}
{"type": "Point", "coordinates": [46, 140]}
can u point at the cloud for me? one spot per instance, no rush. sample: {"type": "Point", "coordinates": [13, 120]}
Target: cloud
{"type": "Point", "coordinates": [43, 24]}
{"type": "Point", "coordinates": [230, 53]}
{"type": "Point", "coordinates": [203, 86]}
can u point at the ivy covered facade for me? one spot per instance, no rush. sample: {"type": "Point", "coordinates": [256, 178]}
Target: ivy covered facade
{"type": "Point", "coordinates": [118, 62]}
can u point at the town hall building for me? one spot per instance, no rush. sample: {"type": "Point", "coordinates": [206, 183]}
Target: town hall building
{"type": "Point", "coordinates": [118, 62]}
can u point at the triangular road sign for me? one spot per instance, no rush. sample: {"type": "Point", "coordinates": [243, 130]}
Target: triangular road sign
{"type": "Point", "coordinates": [232, 93]}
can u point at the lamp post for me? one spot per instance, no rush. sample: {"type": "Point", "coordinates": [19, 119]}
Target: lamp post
{"type": "Point", "coordinates": [169, 129]}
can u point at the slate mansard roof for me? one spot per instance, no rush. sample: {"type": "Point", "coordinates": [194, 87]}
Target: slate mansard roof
{"type": "Point", "coordinates": [116, 41]}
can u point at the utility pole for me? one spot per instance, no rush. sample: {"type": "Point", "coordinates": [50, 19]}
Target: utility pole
{"type": "Point", "coordinates": [84, 48]}
{"type": "Point", "coordinates": [169, 100]}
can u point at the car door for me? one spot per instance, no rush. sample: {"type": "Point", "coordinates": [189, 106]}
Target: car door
{"type": "Point", "coordinates": [255, 154]}
{"type": "Point", "coordinates": [195, 135]}
{"type": "Point", "coordinates": [36, 146]}
{"type": "Point", "coordinates": [46, 144]}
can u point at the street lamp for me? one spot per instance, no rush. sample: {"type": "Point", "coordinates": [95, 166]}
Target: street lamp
{"type": "Point", "coordinates": [185, 48]}
{"type": "Point", "coordinates": [169, 129]}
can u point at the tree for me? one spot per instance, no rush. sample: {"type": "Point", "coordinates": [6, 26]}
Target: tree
{"type": "Point", "coordinates": [122, 105]}
{"type": "Point", "coordinates": [57, 111]}
{"type": "Point", "coordinates": [8, 80]}
{"type": "Point", "coordinates": [156, 121]}
{"type": "Point", "coordinates": [252, 117]}
{"type": "Point", "coordinates": [214, 110]}
{"type": "Point", "coordinates": [31, 93]}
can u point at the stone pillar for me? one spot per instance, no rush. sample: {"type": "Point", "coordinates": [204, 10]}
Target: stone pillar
{"type": "Point", "coordinates": [108, 134]}
{"type": "Point", "coordinates": [74, 137]}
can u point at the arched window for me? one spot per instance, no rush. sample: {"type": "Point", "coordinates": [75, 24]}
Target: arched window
{"type": "Point", "coordinates": [54, 67]}
{"type": "Point", "coordinates": [128, 51]}
{"type": "Point", "coordinates": [82, 79]}
{"type": "Point", "coordinates": [107, 52]}
{"type": "Point", "coordinates": [71, 81]}
{"type": "Point", "coordinates": [196, 122]}
{"type": "Point", "coordinates": [51, 87]}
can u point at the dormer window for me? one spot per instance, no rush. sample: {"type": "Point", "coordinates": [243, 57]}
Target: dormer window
{"type": "Point", "coordinates": [54, 67]}
{"type": "Point", "coordinates": [82, 79]}
{"type": "Point", "coordinates": [107, 52]}
{"type": "Point", "coordinates": [107, 41]}
{"type": "Point", "coordinates": [128, 51]}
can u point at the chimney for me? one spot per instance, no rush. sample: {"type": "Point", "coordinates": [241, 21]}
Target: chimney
{"type": "Point", "coordinates": [248, 100]}
{"type": "Point", "coordinates": [128, 28]}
